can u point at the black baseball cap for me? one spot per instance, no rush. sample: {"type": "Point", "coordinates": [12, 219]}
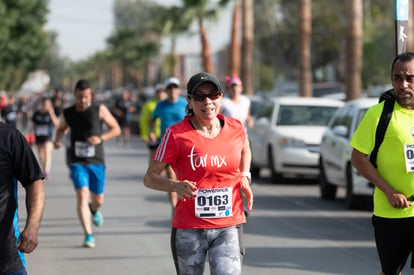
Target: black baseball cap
{"type": "Point", "coordinates": [197, 79]}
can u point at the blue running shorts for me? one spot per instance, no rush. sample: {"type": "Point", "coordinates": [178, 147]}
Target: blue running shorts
{"type": "Point", "coordinates": [91, 176]}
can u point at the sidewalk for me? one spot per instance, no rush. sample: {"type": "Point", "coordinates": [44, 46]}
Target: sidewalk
{"type": "Point", "coordinates": [135, 236]}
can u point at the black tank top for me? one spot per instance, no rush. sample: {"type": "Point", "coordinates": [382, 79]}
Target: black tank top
{"type": "Point", "coordinates": [82, 126]}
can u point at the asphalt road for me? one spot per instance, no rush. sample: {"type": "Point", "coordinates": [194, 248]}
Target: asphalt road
{"type": "Point", "coordinates": [291, 231]}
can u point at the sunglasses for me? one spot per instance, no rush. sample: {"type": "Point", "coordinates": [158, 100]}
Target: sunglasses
{"type": "Point", "coordinates": [201, 97]}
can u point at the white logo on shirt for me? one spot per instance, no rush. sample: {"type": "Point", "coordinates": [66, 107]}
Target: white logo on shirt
{"type": "Point", "coordinates": [201, 161]}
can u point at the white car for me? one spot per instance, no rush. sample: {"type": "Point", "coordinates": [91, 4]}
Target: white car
{"type": "Point", "coordinates": [287, 133]}
{"type": "Point", "coordinates": [335, 165]}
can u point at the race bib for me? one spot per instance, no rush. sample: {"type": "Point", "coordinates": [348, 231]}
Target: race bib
{"type": "Point", "coordinates": [41, 130]}
{"type": "Point", "coordinates": [213, 203]}
{"type": "Point", "coordinates": [409, 157]}
{"type": "Point", "coordinates": [84, 150]}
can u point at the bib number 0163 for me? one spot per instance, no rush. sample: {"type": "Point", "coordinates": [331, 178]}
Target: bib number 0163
{"type": "Point", "coordinates": [214, 203]}
{"type": "Point", "coordinates": [216, 200]}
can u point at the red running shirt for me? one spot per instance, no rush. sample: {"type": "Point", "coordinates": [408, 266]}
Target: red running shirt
{"type": "Point", "coordinates": [212, 163]}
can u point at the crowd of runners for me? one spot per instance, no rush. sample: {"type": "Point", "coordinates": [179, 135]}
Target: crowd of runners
{"type": "Point", "coordinates": [82, 121]}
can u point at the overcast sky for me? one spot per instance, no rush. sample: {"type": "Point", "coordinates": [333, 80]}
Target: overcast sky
{"type": "Point", "coordinates": [84, 25]}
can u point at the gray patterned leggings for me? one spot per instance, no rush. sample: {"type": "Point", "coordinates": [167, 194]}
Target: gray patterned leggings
{"type": "Point", "coordinates": [224, 247]}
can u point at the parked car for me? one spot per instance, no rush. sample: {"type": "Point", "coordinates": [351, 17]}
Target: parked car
{"type": "Point", "coordinates": [335, 165]}
{"type": "Point", "coordinates": [287, 133]}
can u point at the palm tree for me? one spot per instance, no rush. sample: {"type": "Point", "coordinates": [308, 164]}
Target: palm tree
{"type": "Point", "coordinates": [248, 46]}
{"type": "Point", "coordinates": [174, 24]}
{"type": "Point", "coordinates": [234, 49]}
{"type": "Point", "coordinates": [132, 54]}
{"type": "Point", "coordinates": [201, 10]}
{"type": "Point", "coordinates": [304, 37]}
{"type": "Point", "coordinates": [354, 44]}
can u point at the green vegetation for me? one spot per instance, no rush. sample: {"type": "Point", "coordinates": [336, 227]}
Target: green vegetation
{"type": "Point", "coordinates": [133, 50]}
{"type": "Point", "coordinates": [23, 43]}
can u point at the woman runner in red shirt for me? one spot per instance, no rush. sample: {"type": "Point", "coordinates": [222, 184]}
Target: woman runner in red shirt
{"type": "Point", "coordinates": [211, 157]}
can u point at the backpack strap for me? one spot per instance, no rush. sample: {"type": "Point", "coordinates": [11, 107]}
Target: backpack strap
{"type": "Point", "coordinates": [389, 94]}
{"type": "Point", "coordinates": [382, 128]}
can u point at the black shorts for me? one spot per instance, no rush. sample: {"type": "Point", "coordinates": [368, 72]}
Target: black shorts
{"type": "Point", "coordinates": [42, 139]}
{"type": "Point", "coordinates": [395, 240]}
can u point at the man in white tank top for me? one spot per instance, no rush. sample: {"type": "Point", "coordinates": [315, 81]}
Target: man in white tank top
{"type": "Point", "coordinates": [235, 104]}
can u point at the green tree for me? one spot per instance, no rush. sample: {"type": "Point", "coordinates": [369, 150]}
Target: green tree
{"type": "Point", "coordinates": [174, 24]}
{"type": "Point", "coordinates": [132, 54]}
{"type": "Point", "coordinates": [379, 45]}
{"type": "Point", "coordinates": [275, 37]}
{"type": "Point", "coordinates": [136, 40]}
{"type": "Point", "coordinates": [23, 42]}
{"type": "Point", "coordinates": [52, 62]}
{"type": "Point", "coordinates": [201, 10]}
{"type": "Point", "coordinates": [328, 39]}
{"type": "Point", "coordinates": [276, 42]}
{"type": "Point", "coordinates": [131, 48]}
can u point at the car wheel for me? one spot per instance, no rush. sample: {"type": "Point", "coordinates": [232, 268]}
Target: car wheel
{"type": "Point", "coordinates": [328, 190]}
{"type": "Point", "coordinates": [352, 201]}
{"type": "Point", "coordinates": [274, 175]}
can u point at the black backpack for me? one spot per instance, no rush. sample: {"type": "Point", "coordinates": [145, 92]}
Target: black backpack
{"type": "Point", "coordinates": [389, 98]}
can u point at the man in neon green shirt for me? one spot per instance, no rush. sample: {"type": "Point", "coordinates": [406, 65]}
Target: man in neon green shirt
{"type": "Point", "coordinates": [393, 217]}
{"type": "Point", "coordinates": [145, 118]}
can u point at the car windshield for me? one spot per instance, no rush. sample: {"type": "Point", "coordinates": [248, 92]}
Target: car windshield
{"type": "Point", "coordinates": [302, 115]}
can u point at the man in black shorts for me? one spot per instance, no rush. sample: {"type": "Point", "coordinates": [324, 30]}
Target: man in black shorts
{"type": "Point", "coordinates": [393, 175]}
